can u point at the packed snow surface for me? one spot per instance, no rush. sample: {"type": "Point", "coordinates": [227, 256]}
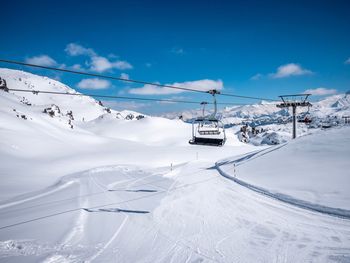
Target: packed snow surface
{"type": "Point", "coordinates": [84, 183]}
{"type": "Point", "coordinates": [314, 168]}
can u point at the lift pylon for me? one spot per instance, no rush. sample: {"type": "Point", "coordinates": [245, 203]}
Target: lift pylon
{"type": "Point", "coordinates": [294, 101]}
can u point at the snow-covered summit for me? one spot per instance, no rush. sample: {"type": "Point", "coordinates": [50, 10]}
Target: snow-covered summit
{"type": "Point", "coordinates": [336, 105]}
{"type": "Point", "coordinates": [266, 112]}
{"type": "Point", "coordinates": [82, 107]}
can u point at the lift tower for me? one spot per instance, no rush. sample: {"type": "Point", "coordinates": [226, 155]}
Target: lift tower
{"type": "Point", "coordinates": [294, 101]}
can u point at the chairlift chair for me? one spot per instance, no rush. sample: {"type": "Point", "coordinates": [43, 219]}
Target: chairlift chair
{"type": "Point", "coordinates": [305, 117]}
{"type": "Point", "coordinates": [208, 130]}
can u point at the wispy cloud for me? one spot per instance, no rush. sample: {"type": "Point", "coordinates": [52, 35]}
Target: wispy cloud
{"type": "Point", "coordinates": [94, 83]}
{"type": "Point", "coordinates": [124, 105]}
{"type": "Point", "coordinates": [120, 64]}
{"type": "Point", "coordinates": [257, 76]}
{"type": "Point", "coordinates": [42, 60]}
{"type": "Point", "coordinates": [174, 98]}
{"type": "Point", "coordinates": [202, 85]}
{"type": "Point", "coordinates": [347, 61]}
{"type": "Point", "coordinates": [320, 91]}
{"type": "Point", "coordinates": [77, 67]}
{"type": "Point", "coordinates": [177, 50]}
{"type": "Point", "coordinates": [101, 64]}
{"type": "Point", "coordinates": [124, 76]}
{"type": "Point", "coordinates": [74, 49]}
{"type": "Point", "coordinates": [97, 63]}
{"type": "Point", "coordinates": [289, 70]}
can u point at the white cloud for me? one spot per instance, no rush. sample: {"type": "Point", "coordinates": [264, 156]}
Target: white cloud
{"type": "Point", "coordinates": [120, 64]}
{"type": "Point", "coordinates": [177, 50]}
{"type": "Point", "coordinates": [124, 76]}
{"type": "Point", "coordinates": [94, 83]}
{"type": "Point", "coordinates": [101, 64]}
{"type": "Point", "coordinates": [288, 70]}
{"type": "Point", "coordinates": [257, 76]}
{"type": "Point", "coordinates": [42, 60]}
{"type": "Point", "coordinates": [148, 65]}
{"type": "Point", "coordinates": [124, 105]}
{"type": "Point", "coordinates": [166, 102]}
{"type": "Point", "coordinates": [174, 98]}
{"type": "Point", "coordinates": [347, 61]}
{"type": "Point", "coordinates": [77, 67]}
{"type": "Point", "coordinates": [320, 91]}
{"type": "Point", "coordinates": [74, 49]}
{"type": "Point", "coordinates": [97, 63]}
{"type": "Point", "coordinates": [202, 85]}
{"type": "Point", "coordinates": [111, 55]}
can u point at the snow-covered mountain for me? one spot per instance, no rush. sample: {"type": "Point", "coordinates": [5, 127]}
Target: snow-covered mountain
{"type": "Point", "coordinates": [267, 124]}
{"type": "Point", "coordinates": [81, 108]}
{"type": "Point", "coordinates": [42, 128]}
{"type": "Point", "coordinates": [267, 112]}
{"type": "Point", "coordinates": [83, 183]}
{"type": "Point", "coordinates": [89, 116]}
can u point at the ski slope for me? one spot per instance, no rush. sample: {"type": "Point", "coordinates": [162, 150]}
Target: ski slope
{"type": "Point", "coordinates": [116, 190]}
{"type": "Point", "coordinates": [314, 169]}
{"type": "Point", "coordinates": [130, 214]}
{"type": "Point", "coordinates": [46, 148]}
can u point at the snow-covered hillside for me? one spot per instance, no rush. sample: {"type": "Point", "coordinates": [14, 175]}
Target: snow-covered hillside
{"type": "Point", "coordinates": [276, 123]}
{"type": "Point", "coordinates": [82, 107]}
{"type": "Point", "coordinates": [83, 183]}
{"type": "Point", "coordinates": [266, 112]}
{"type": "Point", "coordinates": [314, 169]}
{"type": "Point", "coordinates": [48, 145]}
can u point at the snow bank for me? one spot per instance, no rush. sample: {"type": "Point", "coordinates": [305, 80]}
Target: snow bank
{"type": "Point", "coordinates": [313, 169]}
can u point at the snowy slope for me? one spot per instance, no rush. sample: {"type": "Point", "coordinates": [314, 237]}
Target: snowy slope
{"type": "Point", "coordinates": [82, 107]}
{"type": "Point", "coordinates": [190, 214]}
{"type": "Point", "coordinates": [336, 105]}
{"type": "Point", "coordinates": [155, 130]}
{"type": "Point", "coordinates": [267, 112]}
{"type": "Point", "coordinates": [313, 168]}
{"type": "Point", "coordinates": [276, 123]}
{"type": "Point", "coordinates": [46, 148]}
{"type": "Point", "coordinates": [118, 189]}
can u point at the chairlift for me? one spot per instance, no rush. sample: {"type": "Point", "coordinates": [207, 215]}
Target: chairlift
{"type": "Point", "coordinates": [305, 117]}
{"type": "Point", "coordinates": [208, 130]}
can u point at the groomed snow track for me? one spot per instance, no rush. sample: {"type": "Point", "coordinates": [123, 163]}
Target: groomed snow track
{"type": "Point", "coordinates": [342, 213]}
{"type": "Point", "coordinates": [331, 211]}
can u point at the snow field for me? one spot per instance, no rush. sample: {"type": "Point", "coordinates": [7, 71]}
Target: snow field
{"type": "Point", "coordinates": [117, 190]}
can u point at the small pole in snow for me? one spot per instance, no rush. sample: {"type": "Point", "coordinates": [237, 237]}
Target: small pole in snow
{"type": "Point", "coordinates": [171, 166]}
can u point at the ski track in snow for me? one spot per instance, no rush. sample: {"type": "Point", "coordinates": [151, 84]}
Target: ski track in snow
{"type": "Point", "coordinates": [37, 196]}
{"type": "Point", "coordinates": [111, 203]}
{"type": "Point", "coordinates": [337, 212]}
{"type": "Point", "coordinates": [116, 233]}
{"type": "Point", "coordinates": [188, 246]}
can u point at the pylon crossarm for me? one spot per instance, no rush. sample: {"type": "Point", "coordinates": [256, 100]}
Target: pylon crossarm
{"type": "Point", "coordinates": [294, 101]}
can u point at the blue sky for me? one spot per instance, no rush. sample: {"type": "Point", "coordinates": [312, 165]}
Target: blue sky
{"type": "Point", "coordinates": [253, 48]}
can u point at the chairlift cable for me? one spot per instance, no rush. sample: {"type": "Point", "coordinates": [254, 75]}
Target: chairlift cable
{"type": "Point", "coordinates": [116, 97]}
{"type": "Point", "coordinates": [127, 80]}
